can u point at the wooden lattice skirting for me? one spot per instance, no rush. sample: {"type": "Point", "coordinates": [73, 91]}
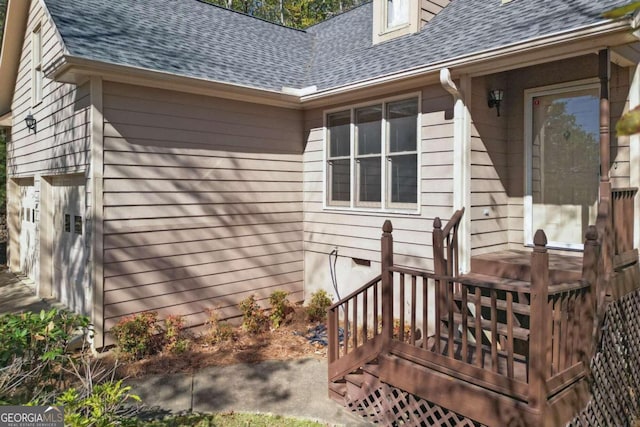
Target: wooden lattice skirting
{"type": "Point", "coordinates": [615, 369]}
{"type": "Point", "coordinates": [383, 404]}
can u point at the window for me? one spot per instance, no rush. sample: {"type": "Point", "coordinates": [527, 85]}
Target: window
{"type": "Point", "coordinates": [37, 75]}
{"type": "Point", "coordinates": [397, 12]}
{"type": "Point", "coordinates": [77, 225]}
{"type": "Point", "coordinates": [67, 223]}
{"type": "Point", "coordinates": [376, 147]}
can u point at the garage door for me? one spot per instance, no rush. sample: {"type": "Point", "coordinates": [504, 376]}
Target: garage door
{"type": "Point", "coordinates": [28, 243]}
{"type": "Point", "coordinates": [70, 254]}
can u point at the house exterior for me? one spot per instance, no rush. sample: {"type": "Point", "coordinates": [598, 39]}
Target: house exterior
{"type": "Point", "coordinates": [185, 156]}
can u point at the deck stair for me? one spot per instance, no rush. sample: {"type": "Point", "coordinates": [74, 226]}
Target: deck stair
{"type": "Point", "coordinates": [507, 344]}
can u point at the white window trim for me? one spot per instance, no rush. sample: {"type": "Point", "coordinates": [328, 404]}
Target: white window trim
{"type": "Point", "coordinates": [529, 94]}
{"type": "Point", "coordinates": [384, 208]}
{"type": "Point", "coordinates": [36, 67]}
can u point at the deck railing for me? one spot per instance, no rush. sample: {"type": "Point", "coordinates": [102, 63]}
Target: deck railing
{"type": "Point", "coordinates": [527, 342]}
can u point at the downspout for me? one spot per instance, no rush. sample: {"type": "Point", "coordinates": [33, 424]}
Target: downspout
{"type": "Point", "coordinates": [461, 159]}
{"type": "Point", "coordinates": [634, 140]}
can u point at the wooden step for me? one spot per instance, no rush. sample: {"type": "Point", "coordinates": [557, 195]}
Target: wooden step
{"type": "Point", "coordinates": [338, 391]}
{"type": "Point", "coordinates": [494, 282]}
{"type": "Point", "coordinates": [501, 328]}
{"type": "Point", "coordinates": [516, 265]}
{"type": "Point", "coordinates": [518, 308]}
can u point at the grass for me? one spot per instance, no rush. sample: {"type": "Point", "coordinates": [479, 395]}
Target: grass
{"type": "Point", "coordinates": [228, 420]}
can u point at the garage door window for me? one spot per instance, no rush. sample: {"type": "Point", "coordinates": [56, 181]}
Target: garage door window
{"type": "Point", "coordinates": [77, 225]}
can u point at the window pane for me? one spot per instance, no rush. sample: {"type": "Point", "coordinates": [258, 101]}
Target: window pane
{"type": "Point", "coordinates": [369, 179]}
{"type": "Point", "coordinates": [402, 117]}
{"type": "Point", "coordinates": [397, 12]}
{"type": "Point", "coordinates": [77, 224]}
{"type": "Point", "coordinates": [404, 179]}
{"type": "Point", "coordinates": [67, 223]}
{"type": "Point", "coordinates": [340, 180]}
{"type": "Point", "coordinates": [368, 129]}
{"type": "Point", "coordinates": [339, 134]}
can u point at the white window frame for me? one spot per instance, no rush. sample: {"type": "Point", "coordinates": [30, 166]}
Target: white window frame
{"type": "Point", "coordinates": [529, 94]}
{"type": "Point", "coordinates": [385, 206]}
{"type": "Point", "coordinates": [385, 18]}
{"type": "Point", "coordinates": [37, 75]}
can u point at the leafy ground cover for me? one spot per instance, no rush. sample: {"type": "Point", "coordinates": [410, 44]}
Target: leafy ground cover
{"type": "Point", "coordinates": [227, 420]}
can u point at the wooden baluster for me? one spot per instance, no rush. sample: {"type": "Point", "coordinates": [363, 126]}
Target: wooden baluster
{"type": "Point", "coordinates": [345, 341]}
{"type": "Point", "coordinates": [465, 324]}
{"type": "Point", "coordinates": [376, 308]}
{"type": "Point", "coordinates": [509, 334]}
{"type": "Point", "coordinates": [555, 340]}
{"type": "Point", "coordinates": [386, 255]}
{"type": "Point", "coordinates": [365, 310]}
{"type": "Point", "coordinates": [494, 330]}
{"type": "Point", "coordinates": [438, 263]}
{"type": "Point", "coordinates": [539, 347]}
{"type": "Point", "coordinates": [450, 321]}
{"type": "Point", "coordinates": [564, 329]}
{"type": "Point", "coordinates": [354, 325]}
{"type": "Point", "coordinates": [334, 345]}
{"type": "Point", "coordinates": [413, 310]}
{"type": "Point", "coordinates": [478, 319]}
{"type": "Point", "coordinates": [425, 312]}
{"type": "Point", "coordinates": [401, 304]}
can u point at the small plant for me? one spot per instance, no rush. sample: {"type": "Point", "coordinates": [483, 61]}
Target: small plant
{"type": "Point", "coordinates": [280, 308]}
{"type": "Point", "coordinates": [218, 330]}
{"type": "Point", "coordinates": [174, 334]}
{"type": "Point", "coordinates": [137, 335]}
{"type": "Point", "coordinates": [317, 308]}
{"type": "Point", "coordinates": [254, 320]}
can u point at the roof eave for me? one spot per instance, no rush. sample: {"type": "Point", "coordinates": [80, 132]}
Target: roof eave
{"type": "Point", "coordinates": [15, 25]}
{"type": "Point", "coordinates": [70, 69]}
{"type": "Point", "coordinates": [552, 47]}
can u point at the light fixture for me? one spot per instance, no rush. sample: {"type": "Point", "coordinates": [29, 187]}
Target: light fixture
{"type": "Point", "coordinates": [495, 98]}
{"type": "Point", "coordinates": [30, 121]}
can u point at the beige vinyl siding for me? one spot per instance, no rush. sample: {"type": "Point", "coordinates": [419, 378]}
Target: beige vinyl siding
{"type": "Point", "coordinates": [429, 9]}
{"type": "Point", "coordinates": [357, 233]}
{"type": "Point", "coordinates": [489, 200]}
{"type": "Point", "coordinates": [620, 150]}
{"type": "Point", "coordinates": [202, 203]}
{"type": "Point", "coordinates": [61, 143]}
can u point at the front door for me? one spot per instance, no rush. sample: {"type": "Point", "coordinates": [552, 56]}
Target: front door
{"type": "Point", "coordinates": [563, 163]}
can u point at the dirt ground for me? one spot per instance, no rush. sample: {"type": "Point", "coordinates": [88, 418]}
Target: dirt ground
{"type": "Point", "coordinates": [287, 342]}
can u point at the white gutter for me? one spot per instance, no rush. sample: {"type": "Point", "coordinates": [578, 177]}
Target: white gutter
{"type": "Point", "coordinates": [461, 160]}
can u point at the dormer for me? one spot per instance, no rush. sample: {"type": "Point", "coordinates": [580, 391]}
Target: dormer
{"type": "Point", "coordinates": [394, 18]}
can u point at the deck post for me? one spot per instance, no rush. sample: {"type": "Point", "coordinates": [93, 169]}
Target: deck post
{"type": "Point", "coordinates": [439, 268]}
{"type": "Point", "coordinates": [539, 348]}
{"type": "Point", "coordinates": [386, 260]}
{"type": "Point", "coordinates": [590, 261]}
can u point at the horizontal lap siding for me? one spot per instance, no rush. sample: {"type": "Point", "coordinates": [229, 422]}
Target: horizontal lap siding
{"type": "Point", "coordinates": [620, 150]}
{"type": "Point", "coordinates": [489, 174]}
{"type": "Point", "coordinates": [202, 203]}
{"type": "Point", "coordinates": [356, 234]}
{"type": "Point", "coordinates": [60, 144]}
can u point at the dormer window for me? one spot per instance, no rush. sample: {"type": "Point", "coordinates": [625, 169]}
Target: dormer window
{"type": "Point", "coordinates": [397, 13]}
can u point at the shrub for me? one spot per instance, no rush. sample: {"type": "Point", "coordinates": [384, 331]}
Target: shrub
{"type": "Point", "coordinates": [138, 336]}
{"type": "Point", "coordinates": [218, 330]}
{"type": "Point", "coordinates": [106, 404]}
{"type": "Point", "coordinates": [254, 320]}
{"type": "Point", "coordinates": [32, 351]}
{"type": "Point", "coordinates": [280, 308]}
{"type": "Point", "coordinates": [174, 337]}
{"type": "Point", "coordinates": [317, 308]}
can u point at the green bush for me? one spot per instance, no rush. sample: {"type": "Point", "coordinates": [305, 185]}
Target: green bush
{"type": "Point", "coordinates": [32, 351]}
{"type": "Point", "coordinates": [218, 330]}
{"type": "Point", "coordinates": [254, 320]}
{"type": "Point", "coordinates": [174, 334]}
{"type": "Point", "coordinates": [138, 335]}
{"type": "Point", "coordinates": [280, 308]}
{"type": "Point", "coordinates": [318, 305]}
{"type": "Point", "coordinates": [104, 405]}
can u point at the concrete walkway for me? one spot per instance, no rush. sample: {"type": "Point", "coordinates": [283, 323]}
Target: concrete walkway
{"type": "Point", "coordinates": [296, 388]}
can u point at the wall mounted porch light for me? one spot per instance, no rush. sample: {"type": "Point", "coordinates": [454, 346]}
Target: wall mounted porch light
{"type": "Point", "coordinates": [30, 121]}
{"type": "Point", "coordinates": [495, 98]}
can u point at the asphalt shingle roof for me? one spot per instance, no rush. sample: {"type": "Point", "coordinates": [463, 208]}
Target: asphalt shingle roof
{"type": "Point", "coordinates": [194, 39]}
